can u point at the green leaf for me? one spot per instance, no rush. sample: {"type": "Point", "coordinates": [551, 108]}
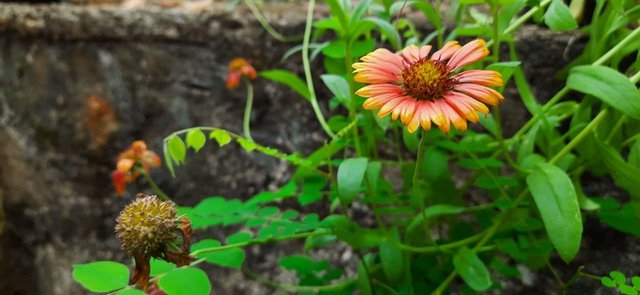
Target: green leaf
{"type": "Point", "coordinates": [221, 136]}
{"type": "Point", "coordinates": [288, 78]}
{"type": "Point", "coordinates": [233, 257]}
{"type": "Point", "coordinates": [608, 85]}
{"type": "Point", "coordinates": [391, 257]}
{"type": "Point", "coordinates": [185, 281]}
{"type": "Point", "coordinates": [618, 277]}
{"type": "Point", "coordinates": [430, 12]}
{"type": "Point", "coordinates": [636, 282]}
{"type": "Point", "coordinates": [299, 263]}
{"type": "Point", "coordinates": [101, 276]}
{"type": "Point", "coordinates": [239, 237]}
{"type": "Point", "coordinates": [557, 202]}
{"type": "Point", "coordinates": [472, 270]}
{"type": "Point", "coordinates": [159, 266]}
{"type": "Point", "coordinates": [625, 175]}
{"type": "Point", "coordinates": [131, 292]}
{"type": "Point", "coordinates": [350, 176]}
{"type": "Point", "coordinates": [607, 282]}
{"type": "Point", "coordinates": [434, 211]}
{"type": "Point", "coordinates": [387, 29]}
{"type": "Point", "coordinates": [558, 17]}
{"type": "Point", "coordinates": [247, 145]}
{"type": "Point", "coordinates": [167, 160]}
{"type": "Point", "coordinates": [338, 86]}
{"type": "Point", "coordinates": [627, 290]}
{"type": "Point", "coordinates": [196, 139]}
{"type": "Point", "coordinates": [177, 149]}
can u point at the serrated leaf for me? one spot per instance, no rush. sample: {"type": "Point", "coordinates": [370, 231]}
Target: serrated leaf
{"type": "Point", "coordinates": [196, 139]}
{"type": "Point", "coordinates": [558, 17]}
{"type": "Point", "coordinates": [177, 150]}
{"type": "Point", "coordinates": [557, 203]}
{"type": "Point", "coordinates": [101, 276]}
{"type": "Point", "coordinates": [221, 136]}
{"type": "Point", "coordinates": [608, 85]}
{"type": "Point", "coordinates": [288, 78]}
{"type": "Point", "coordinates": [185, 281]}
{"type": "Point", "coordinates": [472, 270]}
{"type": "Point", "coordinates": [350, 176]}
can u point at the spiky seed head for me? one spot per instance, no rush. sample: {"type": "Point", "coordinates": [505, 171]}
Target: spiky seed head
{"type": "Point", "coordinates": [146, 225]}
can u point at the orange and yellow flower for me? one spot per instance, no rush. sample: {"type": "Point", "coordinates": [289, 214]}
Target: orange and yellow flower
{"type": "Point", "coordinates": [420, 89]}
{"type": "Point", "coordinates": [136, 156]}
{"type": "Point", "coordinates": [239, 67]}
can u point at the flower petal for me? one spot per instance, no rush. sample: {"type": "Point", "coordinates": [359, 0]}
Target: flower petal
{"type": "Point", "coordinates": [125, 164]}
{"type": "Point", "coordinates": [482, 77]}
{"type": "Point", "coordinates": [423, 114]}
{"type": "Point", "coordinates": [384, 56]}
{"type": "Point", "coordinates": [408, 111]}
{"type": "Point", "coordinates": [461, 107]}
{"type": "Point", "coordinates": [446, 51]}
{"type": "Point", "coordinates": [425, 50]}
{"type": "Point", "coordinates": [376, 102]}
{"type": "Point", "coordinates": [378, 89]}
{"type": "Point", "coordinates": [390, 106]}
{"type": "Point", "coordinates": [410, 54]}
{"type": "Point", "coordinates": [481, 93]}
{"type": "Point", "coordinates": [413, 125]}
{"type": "Point", "coordinates": [452, 116]}
{"type": "Point", "coordinates": [469, 53]}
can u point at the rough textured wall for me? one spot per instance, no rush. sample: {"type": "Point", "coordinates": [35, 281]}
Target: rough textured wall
{"type": "Point", "coordinates": [158, 71]}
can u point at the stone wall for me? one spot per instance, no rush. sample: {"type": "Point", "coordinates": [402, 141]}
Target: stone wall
{"type": "Point", "coordinates": [156, 71]}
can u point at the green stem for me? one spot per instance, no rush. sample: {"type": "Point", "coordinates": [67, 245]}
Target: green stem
{"type": "Point", "coordinates": [256, 242]}
{"type": "Point", "coordinates": [445, 284]}
{"type": "Point", "coordinates": [352, 97]}
{"type": "Point", "coordinates": [416, 176]}
{"type": "Point", "coordinates": [298, 289]}
{"type": "Point", "coordinates": [154, 186]}
{"type": "Point", "coordinates": [307, 71]}
{"type": "Point", "coordinates": [439, 248]}
{"type": "Point", "coordinates": [265, 24]}
{"type": "Point", "coordinates": [604, 58]}
{"type": "Point", "coordinates": [522, 19]}
{"type": "Point", "coordinates": [441, 29]}
{"type": "Point", "coordinates": [490, 232]}
{"type": "Point", "coordinates": [582, 135]}
{"type": "Point", "coordinates": [247, 111]}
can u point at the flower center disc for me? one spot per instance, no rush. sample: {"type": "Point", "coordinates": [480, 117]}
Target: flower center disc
{"type": "Point", "coordinates": [426, 79]}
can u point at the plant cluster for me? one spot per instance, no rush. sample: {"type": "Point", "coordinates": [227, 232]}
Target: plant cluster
{"type": "Point", "coordinates": [457, 208]}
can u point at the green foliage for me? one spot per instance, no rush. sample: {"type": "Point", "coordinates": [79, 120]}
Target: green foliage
{"type": "Point", "coordinates": [288, 78]}
{"type": "Point", "coordinates": [185, 281]}
{"type": "Point", "coordinates": [101, 276]}
{"type": "Point", "coordinates": [557, 202]}
{"type": "Point", "coordinates": [420, 209]}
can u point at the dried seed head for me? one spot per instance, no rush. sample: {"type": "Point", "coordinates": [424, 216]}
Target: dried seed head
{"type": "Point", "coordinates": [146, 225]}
